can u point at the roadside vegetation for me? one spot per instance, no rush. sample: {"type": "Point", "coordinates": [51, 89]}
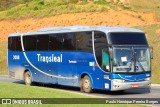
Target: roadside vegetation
{"type": "Point", "coordinates": [3, 58]}
{"type": "Point", "coordinates": [9, 90]}
{"type": "Point", "coordinates": [146, 6]}
{"type": "Point", "coordinates": [153, 37]}
{"type": "Point", "coordinates": [42, 8]}
{"type": "Point", "coordinates": [8, 4]}
{"type": "Point", "coordinates": [18, 9]}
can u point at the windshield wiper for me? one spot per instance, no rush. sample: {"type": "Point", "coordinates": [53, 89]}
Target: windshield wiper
{"type": "Point", "coordinates": [130, 66]}
{"type": "Point", "coordinates": [135, 60]}
{"type": "Point", "coordinates": [141, 65]}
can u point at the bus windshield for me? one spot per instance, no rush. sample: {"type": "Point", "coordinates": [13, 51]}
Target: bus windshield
{"type": "Point", "coordinates": [131, 59]}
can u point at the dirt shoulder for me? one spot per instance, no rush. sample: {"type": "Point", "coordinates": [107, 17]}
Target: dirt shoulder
{"type": "Point", "coordinates": [109, 18]}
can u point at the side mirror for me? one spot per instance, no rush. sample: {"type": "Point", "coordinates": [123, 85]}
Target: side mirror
{"type": "Point", "coordinates": [151, 51]}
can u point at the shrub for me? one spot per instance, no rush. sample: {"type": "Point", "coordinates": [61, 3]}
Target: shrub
{"type": "Point", "coordinates": [101, 2]}
{"type": "Point", "coordinates": [140, 17]}
{"type": "Point", "coordinates": [35, 8]}
{"type": "Point", "coordinates": [73, 1]}
{"type": "Point", "coordinates": [41, 2]}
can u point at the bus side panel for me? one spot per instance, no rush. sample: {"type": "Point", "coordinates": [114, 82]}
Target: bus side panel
{"type": "Point", "coordinates": [67, 70]}
{"type": "Point", "coordinates": [42, 68]}
{"type": "Point", "coordinates": [72, 65]}
{"type": "Point", "coordinates": [86, 65]}
{"type": "Point", "coordinates": [106, 80]}
{"type": "Point", "coordinates": [15, 64]}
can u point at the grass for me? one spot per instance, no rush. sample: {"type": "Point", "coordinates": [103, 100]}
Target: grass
{"type": "Point", "coordinates": [154, 41]}
{"type": "Point", "coordinates": [41, 8]}
{"type": "Point", "coordinates": [146, 6]}
{"type": "Point", "coordinates": [3, 58]}
{"type": "Point", "coordinates": [11, 90]}
{"type": "Point", "coordinates": [77, 105]}
{"type": "Point", "coordinates": [8, 4]}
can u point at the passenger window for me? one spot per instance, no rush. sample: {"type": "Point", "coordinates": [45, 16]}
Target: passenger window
{"type": "Point", "coordinates": [29, 43]}
{"type": "Point", "coordinates": [18, 44]}
{"type": "Point", "coordinates": [42, 42]}
{"type": "Point", "coordinates": [12, 43]}
{"type": "Point", "coordinates": [69, 42]}
{"type": "Point", "coordinates": [55, 42]}
{"type": "Point", "coordinates": [84, 41]}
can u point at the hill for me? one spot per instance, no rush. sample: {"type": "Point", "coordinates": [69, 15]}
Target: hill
{"type": "Point", "coordinates": [42, 8]}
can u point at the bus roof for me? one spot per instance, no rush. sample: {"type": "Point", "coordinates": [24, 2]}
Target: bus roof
{"type": "Point", "coordinates": [64, 29]}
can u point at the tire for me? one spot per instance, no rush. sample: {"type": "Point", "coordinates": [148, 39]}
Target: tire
{"type": "Point", "coordinates": [85, 84]}
{"type": "Point", "coordinates": [119, 91]}
{"type": "Point", "coordinates": [81, 85]}
{"type": "Point", "coordinates": [28, 78]}
{"type": "Point", "coordinates": [148, 90]}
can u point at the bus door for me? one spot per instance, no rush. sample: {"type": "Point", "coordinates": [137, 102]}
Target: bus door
{"type": "Point", "coordinates": [106, 67]}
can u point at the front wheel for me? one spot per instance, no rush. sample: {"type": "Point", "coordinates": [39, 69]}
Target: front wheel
{"type": "Point", "coordinates": [148, 90]}
{"type": "Point", "coordinates": [27, 78]}
{"type": "Point", "coordinates": [86, 85]}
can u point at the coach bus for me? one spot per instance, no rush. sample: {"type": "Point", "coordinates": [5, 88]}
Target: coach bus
{"type": "Point", "coordinates": [105, 58]}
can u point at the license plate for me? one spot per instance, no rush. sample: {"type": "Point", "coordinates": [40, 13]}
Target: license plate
{"type": "Point", "coordinates": [134, 85]}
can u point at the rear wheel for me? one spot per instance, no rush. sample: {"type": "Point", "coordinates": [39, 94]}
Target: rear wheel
{"type": "Point", "coordinates": [27, 78]}
{"type": "Point", "coordinates": [86, 85]}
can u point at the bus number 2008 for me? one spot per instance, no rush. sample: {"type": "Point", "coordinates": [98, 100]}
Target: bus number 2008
{"type": "Point", "coordinates": [16, 57]}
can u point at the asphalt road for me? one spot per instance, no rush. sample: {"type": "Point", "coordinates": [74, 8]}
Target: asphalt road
{"type": "Point", "coordinates": [136, 93]}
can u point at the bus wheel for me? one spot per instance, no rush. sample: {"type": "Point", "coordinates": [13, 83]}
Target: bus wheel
{"type": "Point", "coordinates": [86, 84]}
{"type": "Point", "coordinates": [27, 78]}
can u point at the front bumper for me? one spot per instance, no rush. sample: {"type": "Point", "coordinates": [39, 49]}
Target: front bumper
{"type": "Point", "coordinates": [116, 86]}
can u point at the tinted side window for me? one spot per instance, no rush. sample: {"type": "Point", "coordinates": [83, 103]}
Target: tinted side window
{"type": "Point", "coordinates": [9, 43]}
{"type": "Point", "coordinates": [18, 44]}
{"type": "Point", "coordinates": [42, 42]}
{"type": "Point", "coordinates": [29, 43]}
{"type": "Point", "coordinates": [69, 41]}
{"type": "Point", "coordinates": [100, 39]}
{"type": "Point", "coordinates": [12, 43]}
{"type": "Point", "coordinates": [84, 41]}
{"type": "Point", "coordinates": [55, 42]}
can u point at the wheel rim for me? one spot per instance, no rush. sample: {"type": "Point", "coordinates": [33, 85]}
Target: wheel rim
{"type": "Point", "coordinates": [86, 84]}
{"type": "Point", "coordinates": [28, 78]}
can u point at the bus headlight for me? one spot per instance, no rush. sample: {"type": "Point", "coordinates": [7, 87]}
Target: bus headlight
{"type": "Point", "coordinates": [118, 80]}
{"type": "Point", "coordinates": [147, 79]}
